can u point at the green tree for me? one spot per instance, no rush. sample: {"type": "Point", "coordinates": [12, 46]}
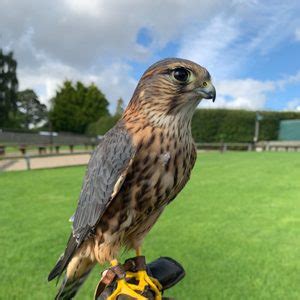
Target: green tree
{"type": "Point", "coordinates": [8, 89]}
{"type": "Point", "coordinates": [120, 107]}
{"type": "Point", "coordinates": [102, 125]}
{"type": "Point", "coordinates": [74, 107]}
{"type": "Point", "coordinates": [31, 111]}
{"type": "Point", "coordinates": [96, 104]}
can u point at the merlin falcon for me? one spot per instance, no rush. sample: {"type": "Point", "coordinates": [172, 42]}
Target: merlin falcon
{"type": "Point", "coordinates": [137, 169]}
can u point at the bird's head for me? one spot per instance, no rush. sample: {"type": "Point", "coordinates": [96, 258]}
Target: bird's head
{"type": "Point", "coordinates": [172, 87]}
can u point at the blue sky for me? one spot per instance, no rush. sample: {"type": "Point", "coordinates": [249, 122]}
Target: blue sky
{"type": "Point", "coordinates": [251, 48]}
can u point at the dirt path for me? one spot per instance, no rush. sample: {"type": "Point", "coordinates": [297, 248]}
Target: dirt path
{"type": "Point", "coordinates": [44, 162]}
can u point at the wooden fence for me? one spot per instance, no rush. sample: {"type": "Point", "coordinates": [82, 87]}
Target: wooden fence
{"type": "Point", "coordinates": [43, 140]}
{"type": "Point", "coordinates": [292, 146]}
{"type": "Point", "coordinates": [223, 147]}
{"type": "Point", "coordinates": [260, 146]}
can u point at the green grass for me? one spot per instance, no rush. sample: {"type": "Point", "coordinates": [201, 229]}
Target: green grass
{"type": "Point", "coordinates": [235, 228]}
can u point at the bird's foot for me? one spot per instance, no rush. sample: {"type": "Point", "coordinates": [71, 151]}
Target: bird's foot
{"type": "Point", "coordinates": [125, 289]}
{"type": "Point", "coordinates": [144, 281]}
{"type": "Point", "coordinates": [132, 281]}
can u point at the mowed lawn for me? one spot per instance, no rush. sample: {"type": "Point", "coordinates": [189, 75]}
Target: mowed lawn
{"type": "Point", "coordinates": [235, 228]}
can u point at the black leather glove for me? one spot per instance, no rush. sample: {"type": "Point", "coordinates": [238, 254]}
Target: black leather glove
{"type": "Point", "coordinates": [165, 269]}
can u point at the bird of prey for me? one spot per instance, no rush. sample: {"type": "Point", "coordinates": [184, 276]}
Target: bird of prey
{"type": "Point", "coordinates": [137, 169]}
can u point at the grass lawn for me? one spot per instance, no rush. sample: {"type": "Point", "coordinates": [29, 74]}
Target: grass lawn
{"type": "Point", "coordinates": [235, 228]}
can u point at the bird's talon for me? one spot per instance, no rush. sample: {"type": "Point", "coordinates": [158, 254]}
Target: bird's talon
{"type": "Point", "coordinates": [123, 288]}
{"type": "Point", "coordinates": [144, 280]}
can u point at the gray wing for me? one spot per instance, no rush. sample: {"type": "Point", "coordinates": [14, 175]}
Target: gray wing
{"type": "Point", "coordinates": [104, 177]}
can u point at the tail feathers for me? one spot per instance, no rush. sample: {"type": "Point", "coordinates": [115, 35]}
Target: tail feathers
{"type": "Point", "coordinates": [64, 259]}
{"type": "Point", "coordinates": [58, 268]}
{"type": "Point", "coordinates": [69, 287]}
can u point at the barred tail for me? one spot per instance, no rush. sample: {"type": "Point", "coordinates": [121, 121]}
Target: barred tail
{"type": "Point", "coordinates": [77, 271]}
{"type": "Point", "coordinates": [70, 286]}
{"type": "Point", "coordinates": [77, 266]}
{"type": "Point", "coordinates": [64, 259]}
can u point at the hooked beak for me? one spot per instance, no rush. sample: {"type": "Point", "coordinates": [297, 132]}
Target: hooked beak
{"type": "Point", "coordinates": [208, 92]}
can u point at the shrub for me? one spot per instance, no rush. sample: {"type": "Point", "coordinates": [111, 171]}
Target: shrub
{"type": "Point", "coordinates": [216, 125]}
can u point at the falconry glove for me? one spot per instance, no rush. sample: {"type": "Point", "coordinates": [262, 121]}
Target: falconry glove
{"type": "Point", "coordinates": [165, 270]}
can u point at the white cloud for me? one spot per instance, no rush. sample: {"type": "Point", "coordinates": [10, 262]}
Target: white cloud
{"type": "Point", "coordinates": [90, 7]}
{"type": "Point", "coordinates": [250, 93]}
{"type": "Point", "coordinates": [274, 22]}
{"type": "Point", "coordinates": [211, 46]}
{"type": "Point", "coordinates": [234, 36]}
{"type": "Point", "coordinates": [81, 33]}
{"type": "Point", "coordinates": [289, 79]}
{"type": "Point", "coordinates": [241, 94]}
{"type": "Point", "coordinates": [114, 80]}
{"type": "Point", "coordinates": [297, 34]}
{"type": "Point", "coordinates": [293, 105]}
{"type": "Point", "coordinates": [230, 41]}
{"type": "Point", "coordinates": [89, 40]}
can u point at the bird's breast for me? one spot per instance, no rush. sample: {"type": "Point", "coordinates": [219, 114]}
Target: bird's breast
{"type": "Point", "coordinates": [161, 167]}
{"type": "Point", "coordinates": [159, 170]}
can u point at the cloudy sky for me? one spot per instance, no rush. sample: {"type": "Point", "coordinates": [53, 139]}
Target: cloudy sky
{"type": "Point", "coordinates": [251, 48]}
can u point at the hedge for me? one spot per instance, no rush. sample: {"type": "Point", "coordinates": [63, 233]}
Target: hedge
{"type": "Point", "coordinates": [215, 125]}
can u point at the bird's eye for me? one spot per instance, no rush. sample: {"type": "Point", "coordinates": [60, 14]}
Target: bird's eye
{"type": "Point", "coordinates": [204, 84]}
{"type": "Point", "coordinates": [181, 74]}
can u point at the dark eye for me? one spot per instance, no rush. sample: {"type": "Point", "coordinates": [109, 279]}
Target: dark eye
{"type": "Point", "coordinates": [181, 74]}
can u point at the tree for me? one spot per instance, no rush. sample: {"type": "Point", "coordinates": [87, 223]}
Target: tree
{"type": "Point", "coordinates": [8, 89]}
{"type": "Point", "coordinates": [74, 107]}
{"type": "Point", "coordinates": [102, 125]}
{"type": "Point", "coordinates": [30, 109]}
{"type": "Point", "coordinates": [96, 104]}
{"type": "Point", "coordinates": [120, 107]}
